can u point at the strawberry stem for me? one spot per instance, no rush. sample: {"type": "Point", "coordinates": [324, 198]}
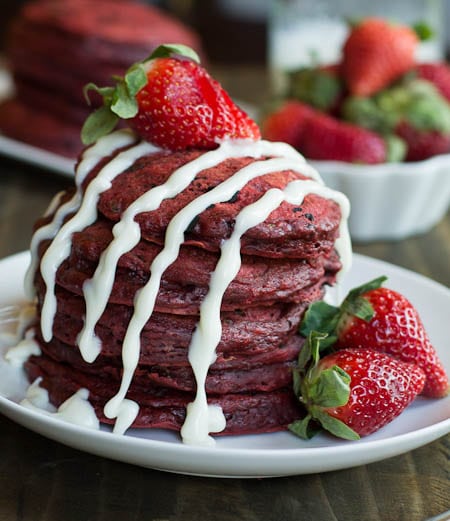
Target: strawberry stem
{"type": "Point", "coordinates": [423, 30]}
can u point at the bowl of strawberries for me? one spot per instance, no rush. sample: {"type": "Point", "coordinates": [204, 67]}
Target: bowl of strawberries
{"type": "Point", "coordinates": [377, 127]}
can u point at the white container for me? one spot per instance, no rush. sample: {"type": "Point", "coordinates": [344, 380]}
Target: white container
{"type": "Point", "coordinates": [391, 201]}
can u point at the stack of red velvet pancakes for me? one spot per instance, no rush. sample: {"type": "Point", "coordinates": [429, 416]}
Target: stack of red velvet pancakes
{"type": "Point", "coordinates": [287, 259]}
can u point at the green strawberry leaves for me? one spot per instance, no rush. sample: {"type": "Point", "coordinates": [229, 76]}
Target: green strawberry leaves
{"type": "Point", "coordinates": [326, 318]}
{"type": "Point", "coordinates": [99, 123]}
{"type": "Point", "coordinates": [330, 387]}
{"type": "Point", "coordinates": [169, 49]}
{"type": "Point", "coordinates": [336, 427]}
{"type": "Point", "coordinates": [357, 305]}
{"type": "Point", "coordinates": [412, 100]}
{"type": "Point", "coordinates": [322, 317]}
{"type": "Point", "coordinates": [423, 31]}
{"type": "Point", "coordinates": [396, 148]}
{"type": "Point", "coordinates": [304, 428]}
{"type": "Point", "coordinates": [315, 87]}
{"type": "Point", "coordinates": [119, 101]}
{"type": "Point", "coordinates": [318, 389]}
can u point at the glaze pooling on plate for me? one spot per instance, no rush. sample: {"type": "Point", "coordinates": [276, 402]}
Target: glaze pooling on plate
{"type": "Point", "coordinates": [81, 211]}
{"type": "Point", "coordinates": [276, 454]}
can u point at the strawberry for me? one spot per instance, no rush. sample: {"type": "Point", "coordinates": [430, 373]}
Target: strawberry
{"type": "Point", "coordinates": [375, 54]}
{"type": "Point", "coordinates": [381, 319]}
{"type": "Point", "coordinates": [286, 123]}
{"type": "Point", "coordinates": [171, 101]}
{"type": "Point", "coordinates": [422, 144]}
{"type": "Point", "coordinates": [438, 74]}
{"type": "Point", "coordinates": [326, 138]}
{"type": "Point", "coordinates": [320, 136]}
{"type": "Point", "coordinates": [413, 111]}
{"type": "Point", "coordinates": [352, 392]}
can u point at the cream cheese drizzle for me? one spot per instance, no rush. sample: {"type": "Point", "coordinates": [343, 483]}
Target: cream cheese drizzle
{"type": "Point", "coordinates": [76, 409]}
{"type": "Point", "coordinates": [145, 299]}
{"type": "Point", "coordinates": [86, 214]}
{"type": "Point", "coordinates": [201, 418]}
{"type": "Point", "coordinates": [127, 234]}
{"type": "Point", "coordinates": [91, 156]}
{"type": "Point", "coordinates": [47, 232]}
{"type": "Point", "coordinates": [26, 347]}
{"type": "Point", "coordinates": [20, 317]}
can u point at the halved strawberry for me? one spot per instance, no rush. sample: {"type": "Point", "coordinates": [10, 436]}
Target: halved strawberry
{"type": "Point", "coordinates": [381, 319]}
{"type": "Point", "coordinates": [375, 54]}
{"type": "Point", "coordinates": [352, 392]}
{"type": "Point", "coordinates": [171, 101]}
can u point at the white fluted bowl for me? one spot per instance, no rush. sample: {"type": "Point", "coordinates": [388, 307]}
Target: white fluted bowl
{"type": "Point", "coordinates": [391, 201]}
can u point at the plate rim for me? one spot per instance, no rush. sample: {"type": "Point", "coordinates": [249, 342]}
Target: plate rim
{"type": "Point", "coordinates": [37, 156]}
{"type": "Point", "coordinates": [283, 461]}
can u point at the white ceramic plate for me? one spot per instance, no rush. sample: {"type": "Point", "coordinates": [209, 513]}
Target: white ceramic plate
{"type": "Point", "coordinates": [278, 454]}
{"type": "Point", "coordinates": [36, 156]}
{"type": "Point", "coordinates": [24, 152]}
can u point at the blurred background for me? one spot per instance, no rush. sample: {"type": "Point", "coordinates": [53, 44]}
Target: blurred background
{"type": "Point", "coordinates": [237, 31]}
{"type": "Point", "coordinates": [215, 20]}
{"type": "Point", "coordinates": [252, 47]}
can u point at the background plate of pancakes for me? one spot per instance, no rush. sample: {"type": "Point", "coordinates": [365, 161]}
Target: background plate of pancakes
{"type": "Point", "coordinates": [36, 156]}
{"type": "Point", "coordinates": [24, 152]}
{"type": "Point", "coordinates": [264, 455]}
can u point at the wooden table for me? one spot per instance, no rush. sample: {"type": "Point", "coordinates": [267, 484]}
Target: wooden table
{"type": "Point", "coordinates": [41, 480]}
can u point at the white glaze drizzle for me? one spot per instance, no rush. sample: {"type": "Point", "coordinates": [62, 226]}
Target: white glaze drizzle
{"type": "Point", "coordinates": [201, 418]}
{"type": "Point", "coordinates": [20, 317]}
{"type": "Point", "coordinates": [146, 297]}
{"type": "Point", "coordinates": [91, 156]}
{"type": "Point", "coordinates": [59, 248]}
{"type": "Point", "coordinates": [76, 409]}
{"type": "Point", "coordinates": [47, 231]}
{"type": "Point", "coordinates": [20, 353]}
{"type": "Point", "coordinates": [127, 233]}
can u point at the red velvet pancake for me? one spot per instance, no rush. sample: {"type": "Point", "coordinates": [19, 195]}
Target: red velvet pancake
{"type": "Point", "coordinates": [286, 262]}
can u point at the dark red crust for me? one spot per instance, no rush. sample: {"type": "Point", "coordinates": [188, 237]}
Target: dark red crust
{"type": "Point", "coordinates": [246, 332]}
{"type": "Point", "coordinates": [245, 413]}
{"type": "Point", "coordinates": [185, 282]}
{"type": "Point", "coordinates": [301, 232]}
